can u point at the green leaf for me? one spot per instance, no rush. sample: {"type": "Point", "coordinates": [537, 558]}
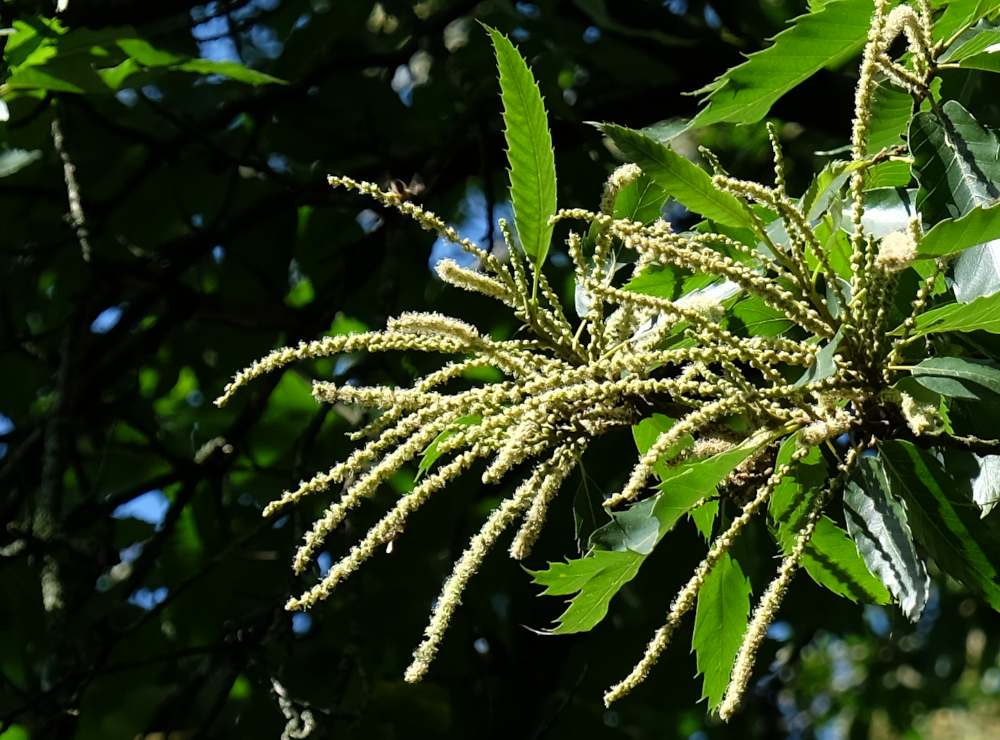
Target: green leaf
{"type": "Point", "coordinates": [982, 314]}
{"type": "Point", "coordinates": [888, 210]}
{"type": "Point", "coordinates": [433, 451]}
{"type": "Point", "coordinates": [719, 624]}
{"type": "Point", "coordinates": [595, 579]}
{"type": "Point", "coordinates": [957, 377]}
{"type": "Point", "coordinates": [977, 272]}
{"type": "Point", "coordinates": [685, 181]}
{"type": "Point", "coordinates": [961, 13]}
{"type": "Point", "coordinates": [114, 77]}
{"type": "Point", "coordinates": [634, 529]}
{"type": "Point", "coordinates": [641, 527]}
{"type": "Point", "coordinates": [751, 317]}
{"type": "Point", "coordinates": [950, 236]}
{"type": "Point", "coordinates": [824, 366]}
{"type": "Point", "coordinates": [148, 56]}
{"type": "Point", "coordinates": [942, 519]}
{"type": "Point", "coordinates": [529, 150]}
{"type": "Point", "coordinates": [232, 70]}
{"type": "Point", "coordinates": [821, 39]}
{"type": "Point", "coordinates": [824, 188]}
{"type": "Point", "coordinates": [645, 434]}
{"type": "Point", "coordinates": [974, 41]}
{"type": "Point", "coordinates": [890, 117]}
{"type": "Point", "coordinates": [830, 558]}
{"type": "Point", "coordinates": [684, 485]}
{"type": "Point", "coordinates": [878, 524]}
{"type": "Point", "coordinates": [704, 518]}
{"type": "Point", "coordinates": [955, 162]}
{"type": "Point", "coordinates": [667, 281]}
{"type": "Point", "coordinates": [641, 200]}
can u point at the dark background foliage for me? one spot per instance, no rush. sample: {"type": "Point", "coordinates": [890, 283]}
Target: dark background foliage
{"type": "Point", "coordinates": [134, 503]}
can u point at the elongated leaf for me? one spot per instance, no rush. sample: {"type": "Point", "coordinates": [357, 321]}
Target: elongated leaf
{"type": "Point", "coordinates": [877, 522]}
{"type": "Point", "coordinates": [232, 70]}
{"type": "Point", "coordinates": [666, 281]}
{"type": "Point", "coordinates": [888, 210]}
{"type": "Point", "coordinates": [943, 520]}
{"type": "Point", "coordinates": [982, 314]}
{"type": "Point", "coordinates": [719, 624]}
{"type": "Point", "coordinates": [643, 525]}
{"type": "Point", "coordinates": [988, 61]}
{"type": "Point", "coordinates": [529, 150]}
{"type": "Point", "coordinates": [950, 236]}
{"type": "Point", "coordinates": [146, 54]}
{"type": "Point", "coordinates": [688, 183]}
{"type": "Point", "coordinates": [595, 579]}
{"type": "Point", "coordinates": [986, 484]}
{"type": "Point", "coordinates": [960, 13]}
{"type": "Point", "coordinates": [825, 187]}
{"type": "Point", "coordinates": [957, 377]}
{"type": "Point", "coordinates": [974, 41]}
{"type": "Point", "coordinates": [825, 38]}
{"type": "Point", "coordinates": [955, 162]}
{"type": "Point", "coordinates": [830, 558]}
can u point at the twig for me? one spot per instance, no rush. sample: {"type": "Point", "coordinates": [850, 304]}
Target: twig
{"type": "Point", "coordinates": [76, 215]}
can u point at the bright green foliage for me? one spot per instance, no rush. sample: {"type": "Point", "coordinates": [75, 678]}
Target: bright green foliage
{"type": "Point", "coordinates": [529, 150]}
{"type": "Point", "coordinates": [800, 352]}
{"type": "Point", "coordinates": [719, 623]}
{"type": "Point", "coordinates": [47, 57]}
{"type": "Point", "coordinates": [956, 377]}
{"type": "Point", "coordinates": [679, 177]}
{"type": "Point", "coordinates": [982, 314]}
{"type": "Point", "coordinates": [825, 38]}
{"type": "Point", "coordinates": [951, 236]}
{"type": "Point", "coordinates": [594, 579]}
{"type": "Point", "coordinates": [831, 557]}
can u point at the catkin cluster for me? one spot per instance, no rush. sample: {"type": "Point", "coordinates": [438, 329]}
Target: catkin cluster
{"type": "Point", "coordinates": [624, 354]}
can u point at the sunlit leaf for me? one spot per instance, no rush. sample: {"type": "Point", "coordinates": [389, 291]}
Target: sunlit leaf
{"type": "Point", "coordinates": [957, 377]}
{"type": "Point", "coordinates": [950, 236]}
{"type": "Point", "coordinates": [830, 557]}
{"type": "Point", "coordinates": [982, 314]}
{"type": "Point", "coordinates": [595, 579]}
{"type": "Point", "coordinates": [745, 94]}
{"type": "Point", "coordinates": [641, 200]}
{"type": "Point", "coordinates": [720, 621]}
{"type": "Point", "coordinates": [682, 179]}
{"type": "Point", "coordinates": [529, 150]}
